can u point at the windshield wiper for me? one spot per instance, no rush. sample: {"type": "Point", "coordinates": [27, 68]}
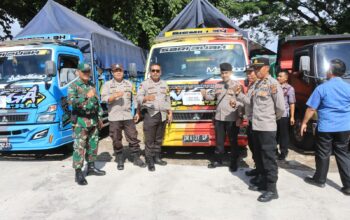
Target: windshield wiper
{"type": "Point", "coordinates": [22, 80]}
{"type": "Point", "coordinates": [178, 75]}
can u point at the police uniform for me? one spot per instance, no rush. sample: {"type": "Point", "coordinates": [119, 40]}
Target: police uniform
{"type": "Point", "coordinates": [155, 115]}
{"type": "Point", "coordinates": [86, 113]}
{"type": "Point", "coordinates": [268, 105]}
{"type": "Point", "coordinates": [225, 119]}
{"type": "Point", "coordinates": [248, 111]}
{"type": "Point", "coordinates": [120, 118]}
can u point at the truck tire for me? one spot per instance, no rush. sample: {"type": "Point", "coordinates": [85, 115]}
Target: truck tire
{"type": "Point", "coordinates": [305, 142]}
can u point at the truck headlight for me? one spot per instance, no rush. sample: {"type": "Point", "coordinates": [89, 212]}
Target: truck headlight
{"type": "Point", "coordinates": [40, 134]}
{"type": "Point", "coordinates": [46, 118]}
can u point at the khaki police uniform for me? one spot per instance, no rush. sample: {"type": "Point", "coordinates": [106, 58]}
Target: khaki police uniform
{"type": "Point", "coordinates": [248, 111]}
{"type": "Point", "coordinates": [268, 106]}
{"type": "Point", "coordinates": [225, 117]}
{"type": "Point", "coordinates": [155, 113]}
{"type": "Point", "coordinates": [120, 116]}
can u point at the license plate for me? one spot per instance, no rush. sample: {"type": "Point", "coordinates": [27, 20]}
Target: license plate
{"type": "Point", "coordinates": [192, 98]}
{"type": "Point", "coordinates": [201, 138]}
{"type": "Point", "coordinates": [5, 146]}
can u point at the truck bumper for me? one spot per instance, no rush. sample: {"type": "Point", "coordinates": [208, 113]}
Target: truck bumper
{"type": "Point", "coordinates": [175, 133]}
{"type": "Point", "coordinates": [21, 137]}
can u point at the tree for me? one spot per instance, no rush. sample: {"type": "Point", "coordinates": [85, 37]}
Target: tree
{"type": "Point", "coordinates": [291, 17]}
{"type": "Point", "coordinates": [142, 20]}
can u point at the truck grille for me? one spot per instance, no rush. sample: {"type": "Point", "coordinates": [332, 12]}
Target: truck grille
{"type": "Point", "coordinates": [193, 116]}
{"type": "Point", "coordinates": [13, 118]}
{"type": "Point", "coordinates": [10, 133]}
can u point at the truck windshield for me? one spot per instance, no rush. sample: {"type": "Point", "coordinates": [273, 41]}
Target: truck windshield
{"type": "Point", "coordinates": [328, 52]}
{"type": "Point", "coordinates": [23, 64]}
{"type": "Point", "coordinates": [199, 61]}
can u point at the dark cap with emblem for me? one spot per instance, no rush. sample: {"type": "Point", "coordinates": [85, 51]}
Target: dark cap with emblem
{"type": "Point", "coordinates": [84, 67]}
{"type": "Point", "coordinates": [117, 66]}
{"type": "Point", "coordinates": [225, 67]}
{"type": "Point", "coordinates": [260, 62]}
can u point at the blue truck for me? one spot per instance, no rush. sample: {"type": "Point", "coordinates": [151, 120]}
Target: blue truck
{"type": "Point", "coordinates": [35, 73]}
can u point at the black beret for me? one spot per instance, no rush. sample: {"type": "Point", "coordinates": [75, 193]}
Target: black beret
{"type": "Point", "coordinates": [225, 67]}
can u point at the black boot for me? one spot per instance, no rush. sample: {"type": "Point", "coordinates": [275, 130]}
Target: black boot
{"type": "Point", "coordinates": [159, 161]}
{"type": "Point", "coordinates": [150, 164]}
{"type": "Point", "coordinates": [137, 160]}
{"type": "Point", "coordinates": [268, 196]}
{"type": "Point", "coordinates": [253, 172]}
{"type": "Point", "coordinates": [216, 162]}
{"type": "Point", "coordinates": [79, 177]}
{"type": "Point", "coordinates": [92, 170]}
{"type": "Point", "coordinates": [256, 180]}
{"type": "Point", "coordinates": [233, 165]}
{"type": "Point", "coordinates": [120, 161]}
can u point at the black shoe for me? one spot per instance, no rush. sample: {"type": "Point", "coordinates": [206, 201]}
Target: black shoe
{"type": "Point", "coordinates": [92, 170]}
{"type": "Point", "coordinates": [256, 180]}
{"type": "Point", "coordinates": [253, 172]}
{"type": "Point", "coordinates": [268, 196]}
{"type": "Point", "coordinates": [214, 164]}
{"type": "Point", "coordinates": [150, 164]}
{"type": "Point", "coordinates": [120, 161]}
{"type": "Point", "coordinates": [159, 161]}
{"type": "Point", "coordinates": [312, 181]}
{"type": "Point", "coordinates": [79, 177]}
{"type": "Point", "coordinates": [259, 187]}
{"type": "Point", "coordinates": [282, 156]}
{"type": "Point", "coordinates": [233, 166]}
{"type": "Point", "coordinates": [346, 190]}
{"type": "Point", "coordinates": [137, 161]}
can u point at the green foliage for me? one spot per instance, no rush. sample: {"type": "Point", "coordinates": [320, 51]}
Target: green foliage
{"type": "Point", "coordinates": [142, 20]}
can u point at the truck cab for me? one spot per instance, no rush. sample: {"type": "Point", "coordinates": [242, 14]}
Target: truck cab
{"type": "Point", "coordinates": [309, 64]}
{"type": "Point", "coordinates": [190, 61]}
{"type": "Point", "coordinates": [34, 78]}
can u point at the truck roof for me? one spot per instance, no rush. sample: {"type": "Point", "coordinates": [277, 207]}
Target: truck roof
{"type": "Point", "coordinates": [316, 38]}
{"type": "Point", "coordinates": [35, 42]}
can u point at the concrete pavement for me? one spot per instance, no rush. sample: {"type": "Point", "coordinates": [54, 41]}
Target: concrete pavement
{"type": "Point", "coordinates": [46, 190]}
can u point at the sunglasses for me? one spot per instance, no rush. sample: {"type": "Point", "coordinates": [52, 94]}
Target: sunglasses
{"type": "Point", "coordinates": [155, 71]}
{"type": "Point", "coordinates": [86, 72]}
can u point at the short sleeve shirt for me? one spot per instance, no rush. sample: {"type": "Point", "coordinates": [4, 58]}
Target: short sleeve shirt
{"type": "Point", "coordinates": [332, 102]}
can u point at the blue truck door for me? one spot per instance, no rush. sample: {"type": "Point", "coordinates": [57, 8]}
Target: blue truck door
{"type": "Point", "coordinates": [67, 65]}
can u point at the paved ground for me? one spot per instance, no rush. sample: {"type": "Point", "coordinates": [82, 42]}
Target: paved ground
{"type": "Point", "coordinates": [44, 188]}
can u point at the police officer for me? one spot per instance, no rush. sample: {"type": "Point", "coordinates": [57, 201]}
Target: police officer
{"type": "Point", "coordinates": [86, 120]}
{"type": "Point", "coordinates": [119, 93]}
{"type": "Point", "coordinates": [331, 100]}
{"type": "Point", "coordinates": [268, 105]}
{"type": "Point", "coordinates": [154, 102]}
{"type": "Point", "coordinates": [248, 111]}
{"type": "Point", "coordinates": [288, 116]}
{"type": "Point", "coordinates": [226, 116]}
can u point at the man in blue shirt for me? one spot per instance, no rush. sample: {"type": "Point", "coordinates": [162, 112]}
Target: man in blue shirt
{"type": "Point", "coordinates": [331, 100]}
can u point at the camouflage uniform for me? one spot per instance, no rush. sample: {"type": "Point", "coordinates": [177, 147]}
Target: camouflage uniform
{"type": "Point", "coordinates": [86, 112]}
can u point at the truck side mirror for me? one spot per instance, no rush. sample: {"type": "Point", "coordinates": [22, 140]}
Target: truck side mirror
{"type": "Point", "coordinates": [132, 70]}
{"type": "Point", "coordinates": [304, 64]}
{"type": "Point", "coordinates": [50, 68]}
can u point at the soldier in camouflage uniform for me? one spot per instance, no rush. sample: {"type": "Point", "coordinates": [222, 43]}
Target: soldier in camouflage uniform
{"type": "Point", "coordinates": [87, 120]}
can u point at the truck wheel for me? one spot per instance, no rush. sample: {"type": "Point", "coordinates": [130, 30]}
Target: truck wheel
{"type": "Point", "coordinates": [305, 142]}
